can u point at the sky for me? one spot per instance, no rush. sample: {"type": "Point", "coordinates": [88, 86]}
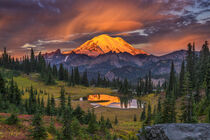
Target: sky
{"type": "Point", "coordinates": [155, 26]}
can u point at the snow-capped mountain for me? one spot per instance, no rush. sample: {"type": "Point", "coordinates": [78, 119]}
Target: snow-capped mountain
{"type": "Point", "coordinates": [104, 44]}
{"type": "Point", "coordinates": [115, 58]}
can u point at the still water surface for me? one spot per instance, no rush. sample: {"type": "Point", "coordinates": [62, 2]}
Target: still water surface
{"type": "Point", "coordinates": [123, 102]}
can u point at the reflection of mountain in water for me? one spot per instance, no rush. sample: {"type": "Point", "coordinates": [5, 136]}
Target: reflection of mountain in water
{"type": "Point", "coordinates": [123, 102]}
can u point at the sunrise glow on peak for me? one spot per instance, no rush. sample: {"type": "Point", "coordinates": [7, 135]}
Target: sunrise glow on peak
{"type": "Point", "coordinates": [103, 44]}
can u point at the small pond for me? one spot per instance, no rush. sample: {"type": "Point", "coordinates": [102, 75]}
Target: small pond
{"type": "Point", "coordinates": [122, 102]}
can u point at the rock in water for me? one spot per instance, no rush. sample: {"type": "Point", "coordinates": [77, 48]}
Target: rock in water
{"type": "Point", "coordinates": [176, 131]}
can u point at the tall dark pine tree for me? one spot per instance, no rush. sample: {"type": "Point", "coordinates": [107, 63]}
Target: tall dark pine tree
{"type": "Point", "coordinates": [84, 81]}
{"type": "Point", "coordinates": [67, 128]}
{"type": "Point", "coordinates": [62, 100]}
{"type": "Point", "coordinates": [98, 80]}
{"type": "Point", "coordinates": [61, 72]}
{"type": "Point", "coordinates": [172, 81]}
{"type": "Point", "coordinates": [71, 78]}
{"type": "Point", "coordinates": [38, 131]}
{"type": "Point", "coordinates": [203, 62]}
{"type": "Point", "coordinates": [150, 82]}
{"type": "Point", "coordinates": [190, 64]}
{"type": "Point", "coordinates": [55, 71]}
{"type": "Point", "coordinates": [2, 86]}
{"type": "Point", "coordinates": [149, 115]}
{"type": "Point", "coordinates": [207, 81]}
{"type": "Point", "coordinates": [32, 60]}
{"type": "Point", "coordinates": [76, 76]}
{"type": "Point", "coordinates": [181, 79]}
{"type": "Point", "coordinates": [188, 115]}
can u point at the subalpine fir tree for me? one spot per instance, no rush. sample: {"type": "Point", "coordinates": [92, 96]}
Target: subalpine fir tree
{"type": "Point", "coordinates": [158, 114]}
{"type": "Point", "coordinates": [61, 73]}
{"type": "Point", "coordinates": [181, 79]}
{"type": "Point", "coordinates": [48, 108]}
{"type": "Point", "coordinates": [146, 87]}
{"type": "Point", "coordinates": [72, 80]}
{"type": "Point", "coordinates": [69, 102]}
{"type": "Point", "coordinates": [208, 116]}
{"type": "Point", "coordinates": [190, 63]}
{"type": "Point", "coordinates": [172, 81]}
{"type": "Point", "coordinates": [149, 115]}
{"type": "Point", "coordinates": [207, 81]}
{"type": "Point", "coordinates": [32, 60]}
{"type": "Point", "coordinates": [150, 88]}
{"type": "Point", "coordinates": [76, 76]}
{"type": "Point", "coordinates": [42, 109]}
{"type": "Point", "coordinates": [79, 114]}
{"type": "Point", "coordinates": [98, 84]}
{"type": "Point", "coordinates": [143, 114]}
{"type": "Point", "coordinates": [108, 124]}
{"type": "Point", "coordinates": [134, 118]}
{"type": "Point", "coordinates": [53, 107]}
{"type": "Point", "coordinates": [2, 86]}
{"type": "Point", "coordinates": [188, 112]}
{"type": "Point", "coordinates": [102, 124]}
{"type": "Point", "coordinates": [84, 81]}
{"type": "Point", "coordinates": [92, 125]}
{"type": "Point", "coordinates": [62, 100]}
{"type": "Point", "coordinates": [55, 71]}
{"type": "Point", "coordinates": [116, 120]}
{"type": "Point", "coordinates": [203, 62]}
{"type": "Point", "coordinates": [67, 128]}
{"type": "Point", "coordinates": [38, 131]}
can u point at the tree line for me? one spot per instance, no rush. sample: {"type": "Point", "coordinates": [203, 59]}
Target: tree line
{"type": "Point", "coordinates": [191, 86]}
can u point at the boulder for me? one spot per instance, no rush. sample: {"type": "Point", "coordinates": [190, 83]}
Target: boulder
{"type": "Point", "coordinates": [176, 131]}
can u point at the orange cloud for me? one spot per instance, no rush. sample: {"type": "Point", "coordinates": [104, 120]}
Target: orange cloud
{"type": "Point", "coordinates": [104, 16]}
{"type": "Point", "coordinates": [170, 44]}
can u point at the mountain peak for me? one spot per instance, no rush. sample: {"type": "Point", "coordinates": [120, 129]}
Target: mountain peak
{"type": "Point", "coordinates": [103, 44]}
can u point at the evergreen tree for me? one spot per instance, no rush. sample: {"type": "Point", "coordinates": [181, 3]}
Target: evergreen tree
{"type": "Point", "coordinates": [2, 86]}
{"type": "Point", "coordinates": [61, 72]}
{"type": "Point", "coordinates": [143, 115]}
{"type": "Point", "coordinates": [53, 107]}
{"type": "Point", "coordinates": [33, 63]}
{"type": "Point", "coordinates": [98, 80]}
{"type": "Point", "coordinates": [207, 81]}
{"type": "Point", "coordinates": [76, 76]}
{"type": "Point", "coordinates": [102, 124]}
{"type": "Point", "coordinates": [135, 119]}
{"type": "Point", "coordinates": [85, 79]}
{"type": "Point", "coordinates": [62, 100]}
{"type": "Point", "coordinates": [149, 115]}
{"type": "Point", "coordinates": [92, 125]}
{"type": "Point", "coordinates": [172, 81]}
{"type": "Point", "coordinates": [188, 114]}
{"type": "Point", "coordinates": [181, 79]}
{"type": "Point", "coordinates": [116, 120]}
{"type": "Point", "coordinates": [150, 89]}
{"type": "Point", "coordinates": [69, 102]}
{"type": "Point", "coordinates": [67, 127]}
{"type": "Point", "coordinates": [108, 124]}
{"type": "Point", "coordinates": [38, 131]}
{"type": "Point", "coordinates": [208, 116]}
{"type": "Point", "coordinates": [12, 120]}
{"type": "Point", "coordinates": [72, 82]}
{"type": "Point", "coordinates": [55, 71]}
{"type": "Point", "coordinates": [48, 109]}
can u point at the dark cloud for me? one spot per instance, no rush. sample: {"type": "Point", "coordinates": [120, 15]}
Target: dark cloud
{"type": "Point", "coordinates": [147, 22]}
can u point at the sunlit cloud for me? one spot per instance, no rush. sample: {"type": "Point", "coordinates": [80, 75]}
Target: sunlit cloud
{"type": "Point", "coordinates": [53, 24]}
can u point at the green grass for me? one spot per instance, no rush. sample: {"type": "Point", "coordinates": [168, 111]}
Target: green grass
{"type": "Point", "coordinates": [126, 125]}
{"type": "Point", "coordinates": [26, 81]}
